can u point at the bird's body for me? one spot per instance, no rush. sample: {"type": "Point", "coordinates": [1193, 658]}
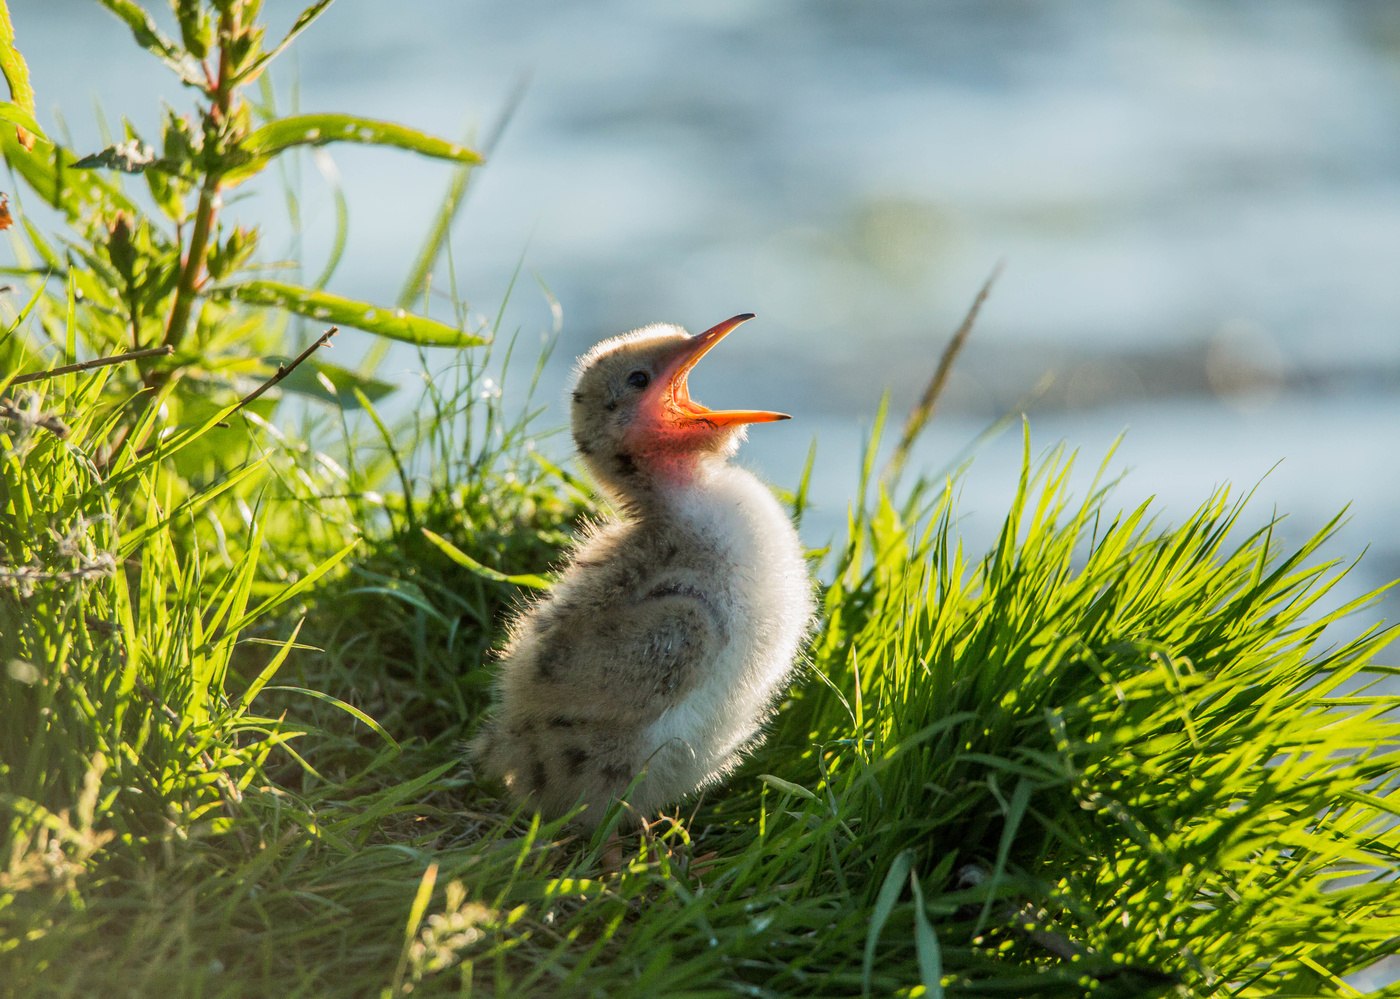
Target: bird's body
{"type": "Point", "coordinates": [655, 659]}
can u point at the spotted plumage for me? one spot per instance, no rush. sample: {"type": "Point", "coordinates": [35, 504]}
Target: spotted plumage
{"type": "Point", "coordinates": [672, 629]}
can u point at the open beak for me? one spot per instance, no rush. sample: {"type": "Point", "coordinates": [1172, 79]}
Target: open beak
{"type": "Point", "coordinates": [682, 406]}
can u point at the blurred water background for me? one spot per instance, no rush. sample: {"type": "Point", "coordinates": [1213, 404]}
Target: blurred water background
{"type": "Point", "coordinates": [1198, 206]}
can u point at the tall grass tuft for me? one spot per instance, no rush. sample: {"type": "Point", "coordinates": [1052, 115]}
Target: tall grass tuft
{"type": "Point", "coordinates": [1105, 751]}
{"type": "Point", "coordinates": [1109, 756]}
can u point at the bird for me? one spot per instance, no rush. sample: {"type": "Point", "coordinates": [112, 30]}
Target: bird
{"type": "Point", "coordinates": [649, 669]}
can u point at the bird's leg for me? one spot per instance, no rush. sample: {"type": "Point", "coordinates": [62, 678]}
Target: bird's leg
{"type": "Point", "coordinates": [611, 858]}
{"type": "Point", "coordinates": [651, 836]}
{"type": "Point", "coordinates": [657, 837]}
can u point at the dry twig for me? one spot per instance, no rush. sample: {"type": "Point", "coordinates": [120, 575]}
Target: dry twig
{"type": "Point", "coordinates": [283, 370]}
{"type": "Point", "coordinates": [33, 417]}
{"type": "Point", "coordinates": [97, 362]}
{"type": "Point", "coordinates": [921, 414]}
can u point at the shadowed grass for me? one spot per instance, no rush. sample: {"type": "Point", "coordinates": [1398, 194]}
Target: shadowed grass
{"type": "Point", "coordinates": [1105, 756]}
{"type": "Point", "coordinates": [237, 670]}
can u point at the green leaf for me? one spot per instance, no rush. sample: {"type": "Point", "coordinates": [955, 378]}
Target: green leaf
{"type": "Point", "coordinates": [16, 75]}
{"type": "Point", "coordinates": [370, 811]}
{"type": "Point", "coordinates": [318, 129]}
{"type": "Point", "coordinates": [336, 190]}
{"type": "Point", "coordinates": [303, 21]}
{"type": "Point", "coordinates": [133, 540]}
{"type": "Point", "coordinates": [393, 451]}
{"type": "Point", "coordinates": [437, 235]}
{"type": "Point", "coordinates": [128, 157]}
{"type": "Point", "coordinates": [323, 306]}
{"type": "Point", "coordinates": [23, 313]}
{"type": "Point", "coordinates": [195, 26]}
{"type": "Point", "coordinates": [456, 554]}
{"type": "Point", "coordinates": [149, 36]}
{"type": "Point", "coordinates": [1015, 812]}
{"type": "Point", "coordinates": [50, 171]}
{"type": "Point", "coordinates": [16, 115]}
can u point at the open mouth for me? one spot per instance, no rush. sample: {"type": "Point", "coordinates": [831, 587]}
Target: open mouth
{"type": "Point", "coordinates": [685, 409]}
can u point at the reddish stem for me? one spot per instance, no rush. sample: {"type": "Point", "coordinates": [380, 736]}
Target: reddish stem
{"type": "Point", "coordinates": [221, 98]}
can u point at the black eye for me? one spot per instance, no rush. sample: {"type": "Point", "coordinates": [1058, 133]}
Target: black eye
{"type": "Point", "coordinates": [639, 379]}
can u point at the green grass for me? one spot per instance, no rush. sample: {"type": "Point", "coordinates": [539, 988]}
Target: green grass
{"type": "Point", "coordinates": [1105, 756]}
{"type": "Point", "coordinates": [1109, 756]}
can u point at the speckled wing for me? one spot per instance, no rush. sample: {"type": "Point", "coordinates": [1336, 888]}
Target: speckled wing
{"type": "Point", "coordinates": [580, 686]}
{"type": "Point", "coordinates": [628, 664]}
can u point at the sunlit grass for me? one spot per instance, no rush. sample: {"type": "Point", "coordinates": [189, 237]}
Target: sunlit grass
{"type": "Point", "coordinates": [1107, 754]}
{"type": "Point", "coordinates": [239, 664]}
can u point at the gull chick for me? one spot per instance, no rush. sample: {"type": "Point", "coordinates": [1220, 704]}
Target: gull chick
{"type": "Point", "coordinates": [653, 662]}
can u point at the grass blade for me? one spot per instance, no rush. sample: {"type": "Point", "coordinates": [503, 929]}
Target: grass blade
{"type": "Point", "coordinates": [268, 671]}
{"type": "Point", "coordinates": [416, 911]}
{"type": "Point", "coordinates": [456, 554]}
{"type": "Point", "coordinates": [930, 955]}
{"type": "Point", "coordinates": [347, 707]}
{"type": "Point", "coordinates": [879, 915]}
{"type": "Point", "coordinates": [301, 585]}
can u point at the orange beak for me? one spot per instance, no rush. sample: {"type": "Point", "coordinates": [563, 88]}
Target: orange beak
{"type": "Point", "coordinates": [677, 395]}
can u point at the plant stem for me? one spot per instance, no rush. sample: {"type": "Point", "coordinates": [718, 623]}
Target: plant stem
{"type": "Point", "coordinates": [221, 98]}
{"type": "Point", "coordinates": [194, 262]}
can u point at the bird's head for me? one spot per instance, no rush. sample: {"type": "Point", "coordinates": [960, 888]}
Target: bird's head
{"type": "Point", "coordinates": [634, 421]}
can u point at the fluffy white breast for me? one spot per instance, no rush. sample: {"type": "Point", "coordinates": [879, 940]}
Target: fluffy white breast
{"type": "Point", "coordinates": [770, 603]}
